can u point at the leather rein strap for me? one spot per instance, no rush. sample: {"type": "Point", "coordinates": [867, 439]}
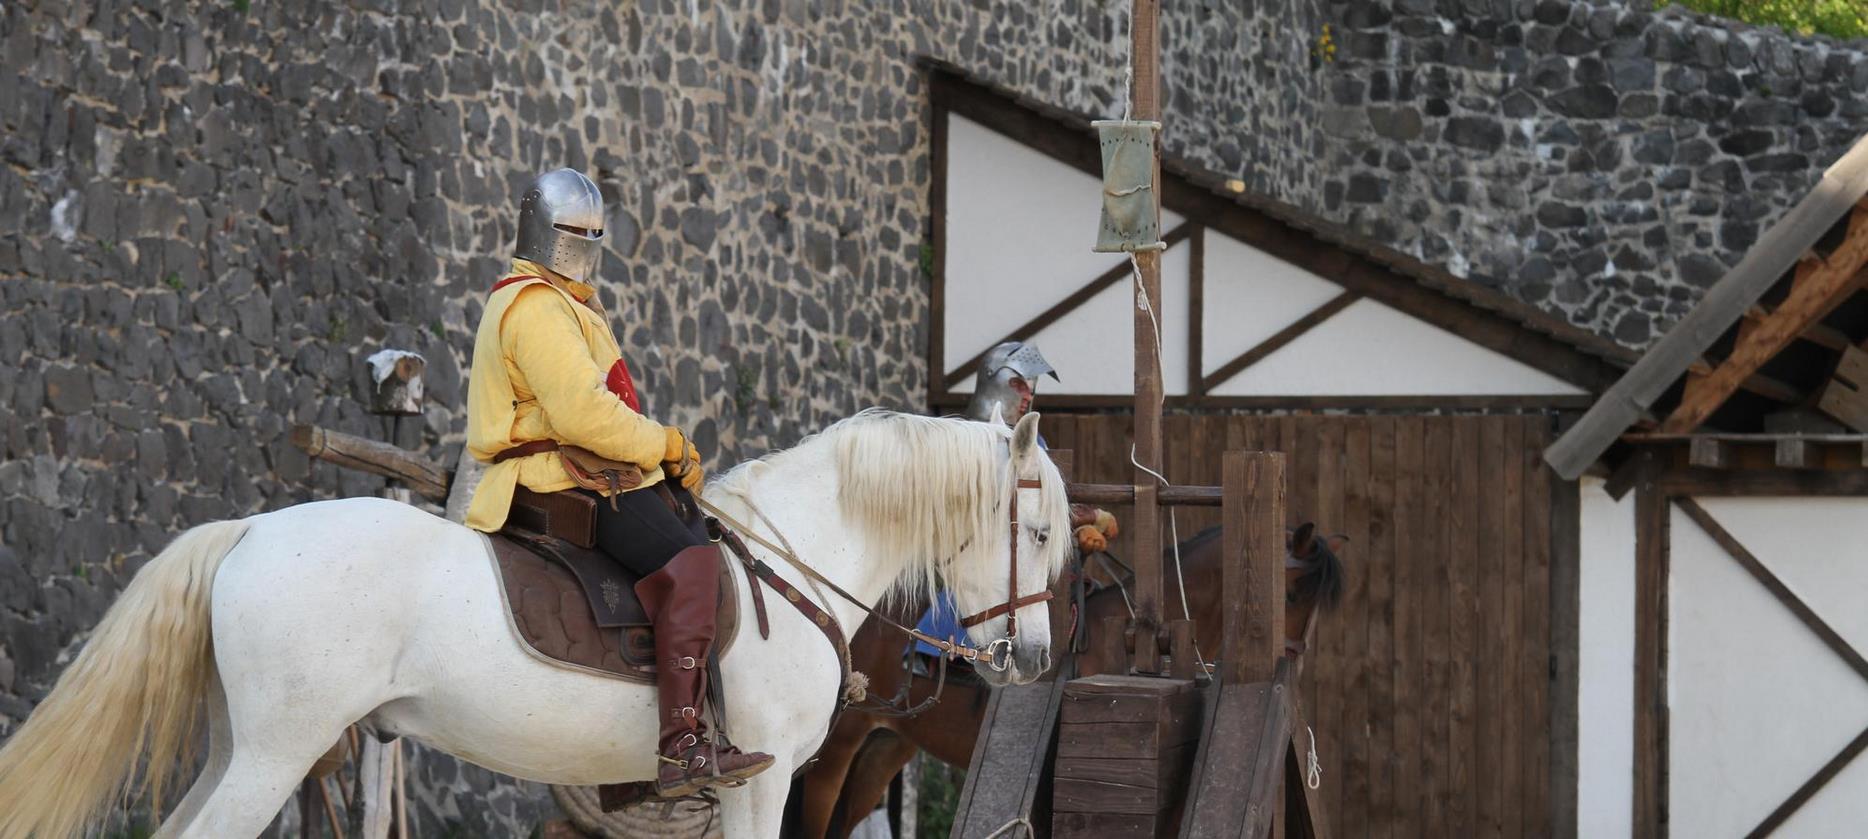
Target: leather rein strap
{"type": "Point", "coordinates": [947, 646]}
{"type": "Point", "coordinates": [1010, 608]}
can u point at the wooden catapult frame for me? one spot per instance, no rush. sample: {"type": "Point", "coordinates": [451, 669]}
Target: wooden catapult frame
{"type": "Point", "coordinates": [1247, 760]}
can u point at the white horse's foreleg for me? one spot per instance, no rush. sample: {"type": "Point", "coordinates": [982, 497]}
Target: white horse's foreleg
{"type": "Point", "coordinates": [220, 754]}
{"type": "Point", "coordinates": [757, 810]}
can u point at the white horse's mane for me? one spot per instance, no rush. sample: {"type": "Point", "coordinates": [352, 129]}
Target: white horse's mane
{"type": "Point", "coordinates": [930, 494]}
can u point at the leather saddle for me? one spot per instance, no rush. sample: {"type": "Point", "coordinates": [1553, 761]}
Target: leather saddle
{"type": "Point", "coordinates": [572, 604]}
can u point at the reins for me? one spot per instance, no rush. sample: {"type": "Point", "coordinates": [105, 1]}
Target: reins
{"type": "Point", "coordinates": [996, 655]}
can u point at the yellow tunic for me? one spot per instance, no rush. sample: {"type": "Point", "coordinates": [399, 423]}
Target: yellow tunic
{"type": "Point", "coordinates": [539, 362]}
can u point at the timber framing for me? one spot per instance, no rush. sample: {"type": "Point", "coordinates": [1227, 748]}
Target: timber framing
{"type": "Point", "coordinates": [1776, 326]}
{"type": "Point", "coordinates": [1363, 268]}
{"type": "Point", "coordinates": [1653, 517]}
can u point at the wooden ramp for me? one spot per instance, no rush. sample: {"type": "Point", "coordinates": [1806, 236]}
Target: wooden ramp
{"type": "Point", "coordinates": [1009, 779]}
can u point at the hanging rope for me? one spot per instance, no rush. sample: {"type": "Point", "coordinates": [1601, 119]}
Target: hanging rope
{"type": "Point", "coordinates": [1313, 777]}
{"type": "Point", "coordinates": [1180, 576]}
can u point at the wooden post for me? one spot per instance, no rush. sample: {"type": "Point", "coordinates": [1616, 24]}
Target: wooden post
{"type": "Point", "coordinates": [1253, 569]}
{"type": "Point", "coordinates": [1145, 521]}
{"type": "Point", "coordinates": [1236, 784]}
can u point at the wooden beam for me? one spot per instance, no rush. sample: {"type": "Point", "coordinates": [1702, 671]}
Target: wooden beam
{"type": "Point", "coordinates": [1650, 670]}
{"type": "Point", "coordinates": [1773, 389]}
{"type": "Point", "coordinates": [1196, 312]}
{"type": "Point", "coordinates": [937, 235]}
{"type": "Point", "coordinates": [1063, 307]}
{"type": "Point", "coordinates": [1787, 598]}
{"type": "Point", "coordinates": [1255, 643]}
{"type": "Point", "coordinates": [1173, 496]}
{"type": "Point", "coordinates": [1144, 522]}
{"type": "Point", "coordinates": [1811, 787]}
{"type": "Point", "coordinates": [1819, 333]}
{"type": "Point", "coordinates": [1818, 287]}
{"type": "Point", "coordinates": [426, 477]}
{"type": "Point", "coordinates": [1750, 482]}
{"type": "Point", "coordinates": [1709, 452]}
{"type": "Point", "coordinates": [1279, 340]}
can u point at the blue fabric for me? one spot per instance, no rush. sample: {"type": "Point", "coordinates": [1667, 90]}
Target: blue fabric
{"type": "Point", "coordinates": [943, 620]}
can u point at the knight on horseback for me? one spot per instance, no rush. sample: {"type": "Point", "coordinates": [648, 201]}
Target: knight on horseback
{"type": "Point", "coordinates": [550, 392]}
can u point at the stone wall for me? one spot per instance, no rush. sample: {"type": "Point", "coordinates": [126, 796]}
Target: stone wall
{"type": "Point", "coordinates": [1604, 162]}
{"type": "Point", "coordinates": [216, 210]}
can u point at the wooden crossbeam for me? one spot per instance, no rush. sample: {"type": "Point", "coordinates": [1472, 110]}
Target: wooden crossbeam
{"type": "Point", "coordinates": [1816, 625]}
{"type": "Point", "coordinates": [1820, 334]}
{"type": "Point", "coordinates": [1818, 287]}
{"type": "Point", "coordinates": [1063, 307]}
{"type": "Point", "coordinates": [1773, 389]}
{"type": "Point", "coordinates": [1279, 340]}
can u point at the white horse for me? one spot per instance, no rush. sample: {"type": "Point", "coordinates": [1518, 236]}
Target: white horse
{"type": "Point", "coordinates": [293, 624]}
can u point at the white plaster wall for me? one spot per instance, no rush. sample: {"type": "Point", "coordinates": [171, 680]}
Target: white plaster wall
{"type": "Point", "coordinates": [1019, 230]}
{"type": "Point", "coordinates": [1605, 690]}
{"type": "Point", "coordinates": [1371, 350]}
{"type": "Point", "coordinates": [1756, 703]}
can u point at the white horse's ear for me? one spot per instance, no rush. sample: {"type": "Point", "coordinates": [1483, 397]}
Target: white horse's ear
{"type": "Point", "coordinates": [1025, 438]}
{"type": "Point", "coordinates": [998, 414]}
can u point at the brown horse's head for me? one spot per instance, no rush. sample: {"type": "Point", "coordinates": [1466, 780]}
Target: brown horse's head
{"type": "Point", "coordinates": [1313, 579]}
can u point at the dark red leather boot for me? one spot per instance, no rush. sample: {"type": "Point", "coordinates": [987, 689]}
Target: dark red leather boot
{"type": "Point", "coordinates": [681, 600]}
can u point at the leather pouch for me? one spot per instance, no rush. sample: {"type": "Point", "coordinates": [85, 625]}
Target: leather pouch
{"type": "Point", "coordinates": [571, 516]}
{"type": "Point", "coordinates": [594, 472]}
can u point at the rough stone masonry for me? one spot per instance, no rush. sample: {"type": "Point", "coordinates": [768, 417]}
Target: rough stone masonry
{"type": "Point", "coordinates": [215, 210]}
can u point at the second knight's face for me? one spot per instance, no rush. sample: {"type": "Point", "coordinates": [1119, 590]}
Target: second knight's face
{"type": "Point", "coordinates": [1025, 395]}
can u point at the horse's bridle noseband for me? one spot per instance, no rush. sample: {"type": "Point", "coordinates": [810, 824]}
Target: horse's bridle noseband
{"type": "Point", "coordinates": [1010, 608]}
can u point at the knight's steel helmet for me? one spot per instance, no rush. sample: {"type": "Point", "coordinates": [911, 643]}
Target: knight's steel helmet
{"type": "Point", "coordinates": [1006, 370]}
{"type": "Point", "coordinates": [561, 224]}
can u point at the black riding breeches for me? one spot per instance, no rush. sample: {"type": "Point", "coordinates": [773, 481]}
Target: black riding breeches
{"type": "Point", "coordinates": [649, 526]}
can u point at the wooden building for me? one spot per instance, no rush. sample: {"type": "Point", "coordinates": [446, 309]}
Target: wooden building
{"type": "Point", "coordinates": [1724, 535]}
{"type": "Point", "coordinates": [1414, 407]}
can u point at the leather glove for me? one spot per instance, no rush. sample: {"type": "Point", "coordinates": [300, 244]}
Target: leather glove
{"type": "Point", "coordinates": [1090, 540]}
{"type": "Point", "coordinates": [1106, 523]}
{"type": "Point", "coordinates": [681, 460]}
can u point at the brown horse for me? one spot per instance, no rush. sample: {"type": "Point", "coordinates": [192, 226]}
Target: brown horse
{"type": "Point", "coordinates": [865, 750]}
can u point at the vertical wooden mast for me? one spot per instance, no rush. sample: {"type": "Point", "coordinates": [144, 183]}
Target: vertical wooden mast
{"type": "Point", "coordinates": [1145, 104]}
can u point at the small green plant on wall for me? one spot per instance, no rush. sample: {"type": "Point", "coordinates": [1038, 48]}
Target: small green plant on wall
{"type": "Point", "coordinates": [1324, 49]}
{"type": "Point", "coordinates": [1846, 19]}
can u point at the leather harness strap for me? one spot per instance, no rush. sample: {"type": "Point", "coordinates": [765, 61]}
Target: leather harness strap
{"type": "Point", "coordinates": [526, 449]}
{"type": "Point", "coordinates": [1010, 608]}
{"type": "Point", "coordinates": [947, 646]}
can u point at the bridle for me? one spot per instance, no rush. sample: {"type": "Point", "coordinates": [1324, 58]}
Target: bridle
{"type": "Point", "coordinates": [1014, 603]}
{"type": "Point", "coordinates": [996, 655]}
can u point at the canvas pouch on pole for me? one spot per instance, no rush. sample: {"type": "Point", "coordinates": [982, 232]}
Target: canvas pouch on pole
{"type": "Point", "coordinates": [1130, 222]}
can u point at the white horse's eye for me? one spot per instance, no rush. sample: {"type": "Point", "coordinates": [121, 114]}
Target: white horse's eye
{"type": "Point", "coordinates": [1042, 536]}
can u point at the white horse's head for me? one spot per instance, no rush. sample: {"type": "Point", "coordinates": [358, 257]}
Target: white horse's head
{"type": "Point", "coordinates": [937, 496]}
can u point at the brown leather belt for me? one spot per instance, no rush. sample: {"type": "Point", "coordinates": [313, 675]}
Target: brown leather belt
{"type": "Point", "coordinates": [526, 450]}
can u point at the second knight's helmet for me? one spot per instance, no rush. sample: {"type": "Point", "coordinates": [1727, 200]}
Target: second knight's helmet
{"type": "Point", "coordinates": [1006, 369]}
{"type": "Point", "coordinates": [561, 224]}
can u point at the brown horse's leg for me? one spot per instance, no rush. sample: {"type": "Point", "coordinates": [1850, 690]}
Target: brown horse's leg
{"type": "Point", "coordinates": [824, 783]}
{"type": "Point", "coordinates": [879, 761]}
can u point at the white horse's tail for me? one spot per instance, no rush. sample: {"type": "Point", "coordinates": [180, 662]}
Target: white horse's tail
{"type": "Point", "coordinates": [133, 692]}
